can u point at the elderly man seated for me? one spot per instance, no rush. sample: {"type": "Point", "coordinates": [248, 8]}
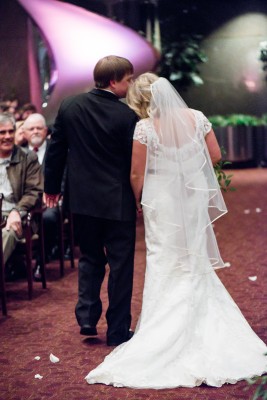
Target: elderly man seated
{"type": "Point", "coordinates": [35, 132]}
{"type": "Point", "coordinates": [21, 181]}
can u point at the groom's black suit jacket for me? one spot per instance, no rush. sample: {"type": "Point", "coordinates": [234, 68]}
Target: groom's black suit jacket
{"type": "Point", "coordinates": [93, 132]}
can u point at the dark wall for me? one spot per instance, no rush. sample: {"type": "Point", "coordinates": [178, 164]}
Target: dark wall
{"type": "Point", "coordinates": [14, 79]}
{"type": "Point", "coordinates": [231, 51]}
{"type": "Point", "coordinates": [234, 81]}
{"type": "Point", "coordinates": [204, 16]}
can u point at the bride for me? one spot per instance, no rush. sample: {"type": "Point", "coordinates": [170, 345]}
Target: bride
{"type": "Point", "coordinates": [190, 331]}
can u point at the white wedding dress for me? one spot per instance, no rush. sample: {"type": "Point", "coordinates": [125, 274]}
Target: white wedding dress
{"type": "Point", "coordinates": [190, 331]}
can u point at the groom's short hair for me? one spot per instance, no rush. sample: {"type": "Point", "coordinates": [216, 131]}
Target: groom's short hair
{"type": "Point", "coordinates": [111, 68]}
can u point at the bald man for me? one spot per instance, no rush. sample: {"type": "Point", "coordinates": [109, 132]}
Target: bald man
{"type": "Point", "coordinates": [35, 132]}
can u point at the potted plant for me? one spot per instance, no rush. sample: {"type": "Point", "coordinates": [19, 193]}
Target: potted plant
{"type": "Point", "coordinates": [236, 134]}
{"type": "Point", "coordinates": [181, 59]}
{"type": "Point", "coordinates": [262, 141]}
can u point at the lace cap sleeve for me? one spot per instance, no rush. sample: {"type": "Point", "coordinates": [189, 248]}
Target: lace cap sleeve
{"type": "Point", "coordinates": [140, 132]}
{"type": "Point", "coordinates": [203, 124]}
{"type": "Point", "coordinates": [206, 124]}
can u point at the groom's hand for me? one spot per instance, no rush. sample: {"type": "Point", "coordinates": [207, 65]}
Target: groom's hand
{"type": "Point", "coordinates": [51, 200]}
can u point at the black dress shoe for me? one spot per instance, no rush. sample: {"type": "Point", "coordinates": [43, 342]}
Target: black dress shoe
{"type": "Point", "coordinates": [88, 330]}
{"type": "Point", "coordinates": [54, 253]}
{"type": "Point", "coordinates": [111, 342]}
{"type": "Point", "coordinates": [37, 276]}
{"type": "Point", "coordinates": [67, 253]}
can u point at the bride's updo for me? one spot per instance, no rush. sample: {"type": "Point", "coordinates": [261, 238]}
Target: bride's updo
{"type": "Point", "coordinates": [139, 94]}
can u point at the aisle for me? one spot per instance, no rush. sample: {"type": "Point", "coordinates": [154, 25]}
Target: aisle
{"type": "Point", "coordinates": [47, 324]}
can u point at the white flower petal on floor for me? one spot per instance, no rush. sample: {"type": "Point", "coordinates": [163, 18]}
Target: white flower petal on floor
{"type": "Point", "coordinates": [37, 358]}
{"type": "Point", "coordinates": [258, 210]}
{"type": "Point", "coordinates": [246, 211]}
{"type": "Point", "coordinates": [53, 358]}
{"type": "Point", "coordinates": [38, 376]}
{"type": "Point", "coordinates": [227, 264]}
{"type": "Point", "coordinates": [252, 278]}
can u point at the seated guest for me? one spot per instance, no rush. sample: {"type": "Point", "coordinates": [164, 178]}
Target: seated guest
{"type": "Point", "coordinates": [26, 110]}
{"type": "Point", "coordinates": [2, 106]}
{"type": "Point", "coordinates": [21, 181]}
{"type": "Point", "coordinates": [35, 132]}
{"type": "Point", "coordinates": [20, 139]}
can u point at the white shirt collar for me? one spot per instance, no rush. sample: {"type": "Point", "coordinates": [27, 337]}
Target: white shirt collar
{"type": "Point", "coordinates": [5, 160]}
{"type": "Point", "coordinates": [41, 151]}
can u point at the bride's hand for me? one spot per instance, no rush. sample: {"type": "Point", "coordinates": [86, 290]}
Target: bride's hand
{"type": "Point", "coordinates": [139, 208]}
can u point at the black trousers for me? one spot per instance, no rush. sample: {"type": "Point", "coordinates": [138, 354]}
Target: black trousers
{"type": "Point", "coordinates": [50, 220]}
{"type": "Point", "coordinates": [105, 241]}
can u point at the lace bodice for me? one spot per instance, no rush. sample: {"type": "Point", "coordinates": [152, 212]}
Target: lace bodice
{"type": "Point", "coordinates": [144, 130]}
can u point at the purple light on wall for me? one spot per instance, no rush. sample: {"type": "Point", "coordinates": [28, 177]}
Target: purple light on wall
{"type": "Point", "coordinates": [77, 39]}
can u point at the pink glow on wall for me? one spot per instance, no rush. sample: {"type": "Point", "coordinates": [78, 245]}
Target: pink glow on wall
{"type": "Point", "coordinates": [78, 39]}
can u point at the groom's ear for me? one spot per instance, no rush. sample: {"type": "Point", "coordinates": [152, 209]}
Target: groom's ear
{"type": "Point", "coordinates": [112, 83]}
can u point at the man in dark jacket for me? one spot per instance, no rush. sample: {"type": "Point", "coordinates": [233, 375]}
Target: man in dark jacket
{"type": "Point", "coordinates": [21, 182]}
{"type": "Point", "coordinates": [93, 133]}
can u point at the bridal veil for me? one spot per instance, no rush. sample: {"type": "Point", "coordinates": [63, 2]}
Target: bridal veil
{"type": "Point", "coordinates": [180, 184]}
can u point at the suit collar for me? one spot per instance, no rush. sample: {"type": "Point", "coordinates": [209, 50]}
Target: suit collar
{"type": "Point", "coordinates": [15, 157]}
{"type": "Point", "coordinates": [104, 93]}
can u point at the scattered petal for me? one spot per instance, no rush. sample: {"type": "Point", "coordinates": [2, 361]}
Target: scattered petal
{"type": "Point", "coordinates": [246, 211]}
{"type": "Point", "coordinates": [37, 358]}
{"type": "Point", "coordinates": [258, 210]}
{"type": "Point", "coordinates": [252, 278]}
{"type": "Point", "coordinates": [227, 264]}
{"type": "Point", "coordinates": [38, 376]}
{"type": "Point", "coordinates": [53, 358]}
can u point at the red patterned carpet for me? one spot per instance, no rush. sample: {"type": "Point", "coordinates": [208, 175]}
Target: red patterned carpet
{"type": "Point", "coordinates": [47, 324]}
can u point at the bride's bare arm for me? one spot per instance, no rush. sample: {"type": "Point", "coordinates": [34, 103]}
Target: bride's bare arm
{"type": "Point", "coordinates": [213, 147]}
{"type": "Point", "coordinates": [138, 171]}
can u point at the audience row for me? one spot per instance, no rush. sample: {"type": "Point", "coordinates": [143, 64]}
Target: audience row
{"type": "Point", "coordinates": [23, 147]}
{"type": "Point", "coordinates": [20, 113]}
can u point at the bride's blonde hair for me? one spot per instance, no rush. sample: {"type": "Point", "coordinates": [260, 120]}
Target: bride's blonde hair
{"type": "Point", "coordinates": [139, 94]}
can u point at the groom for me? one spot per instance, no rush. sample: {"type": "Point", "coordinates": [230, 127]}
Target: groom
{"type": "Point", "coordinates": [93, 134]}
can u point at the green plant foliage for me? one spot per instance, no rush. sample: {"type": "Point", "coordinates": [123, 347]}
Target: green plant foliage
{"type": "Point", "coordinates": [180, 61]}
{"type": "Point", "coordinates": [261, 390]}
{"type": "Point", "coordinates": [237, 120]}
{"type": "Point", "coordinates": [223, 179]}
{"type": "Point", "coordinates": [264, 119]}
{"type": "Point", "coordinates": [263, 51]}
{"type": "Point", "coordinates": [242, 120]}
{"type": "Point", "coordinates": [263, 56]}
{"type": "Point", "coordinates": [218, 120]}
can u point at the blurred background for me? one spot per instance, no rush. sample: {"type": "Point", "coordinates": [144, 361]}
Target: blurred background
{"type": "Point", "coordinates": [214, 52]}
{"type": "Point", "coordinates": [211, 48]}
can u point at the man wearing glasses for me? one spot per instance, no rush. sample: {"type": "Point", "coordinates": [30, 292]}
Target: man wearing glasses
{"type": "Point", "coordinates": [21, 181]}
